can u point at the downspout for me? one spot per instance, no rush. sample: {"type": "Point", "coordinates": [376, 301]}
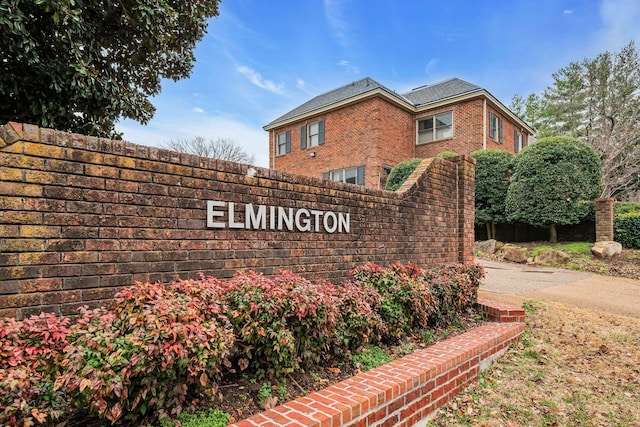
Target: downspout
{"type": "Point", "coordinates": [271, 156]}
{"type": "Point", "coordinates": [458, 231]}
{"type": "Point", "coordinates": [484, 124]}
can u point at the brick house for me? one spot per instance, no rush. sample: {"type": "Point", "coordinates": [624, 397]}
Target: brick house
{"type": "Point", "coordinates": [358, 132]}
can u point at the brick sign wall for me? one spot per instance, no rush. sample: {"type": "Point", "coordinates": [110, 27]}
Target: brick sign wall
{"type": "Point", "coordinates": [81, 217]}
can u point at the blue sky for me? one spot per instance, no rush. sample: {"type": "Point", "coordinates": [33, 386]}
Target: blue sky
{"type": "Point", "coordinates": [261, 59]}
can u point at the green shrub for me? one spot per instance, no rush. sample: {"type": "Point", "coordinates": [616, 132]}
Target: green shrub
{"type": "Point", "coordinates": [550, 180]}
{"type": "Point", "coordinates": [158, 345]}
{"type": "Point", "coordinates": [492, 174]}
{"type": "Point", "coordinates": [446, 154]}
{"type": "Point", "coordinates": [401, 172]}
{"type": "Point", "coordinates": [626, 229]}
{"type": "Point", "coordinates": [625, 207]}
{"type": "Point", "coordinates": [280, 323]}
{"type": "Point", "coordinates": [29, 353]}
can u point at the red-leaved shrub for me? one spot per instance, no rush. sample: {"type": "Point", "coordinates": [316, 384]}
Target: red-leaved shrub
{"type": "Point", "coordinates": [29, 351]}
{"type": "Point", "coordinates": [280, 322]}
{"type": "Point", "coordinates": [157, 345]}
{"type": "Point", "coordinates": [454, 288]}
{"type": "Point", "coordinates": [359, 322]}
{"type": "Point", "coordinates": [406, 297]}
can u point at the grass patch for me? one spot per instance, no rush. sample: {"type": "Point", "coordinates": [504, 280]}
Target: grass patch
{"type": "Point", "coordinates": [371, 357]}
{"type": "Point", "coordinates": [529, 306]}
{"type": "Point", "coordinates": [575, 248]}
{"type": "Point", "coordinates": [203, 418]}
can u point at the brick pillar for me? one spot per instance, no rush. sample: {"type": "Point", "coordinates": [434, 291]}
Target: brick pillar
{"type": "Point", "coordinates": [604, 219]}
{"type": "Point", "coordinates": [466, 207]}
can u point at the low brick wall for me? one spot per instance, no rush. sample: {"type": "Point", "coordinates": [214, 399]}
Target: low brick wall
{"type": "Point", "coordinates": [80, 217]}
{"type": "Point", "coordinates": [406, 391]}
{"type": "Point", "coordinates": [499, 312]}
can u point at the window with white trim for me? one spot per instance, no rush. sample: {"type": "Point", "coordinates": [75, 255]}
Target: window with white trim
{"type": "Point", "coordinates": [284, 142]}
{"type": "Point", "coordinates": [312, 135]}
{"type": "Point", "coordinates": [436, 127]}
{"type": "Point", "coordinates": [495, 127]}
{"type": "Point", "coordinates": [354, 175]}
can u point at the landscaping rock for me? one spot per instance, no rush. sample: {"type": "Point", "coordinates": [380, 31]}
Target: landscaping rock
{"type": "Point", "coordinates": [514, 253]}
{"type": "Point", "coordinates": [486, 246]}
{"type": "Point", "coordinates": [606, 249]}
{"type": "Point", "coordinates": [549, 256]}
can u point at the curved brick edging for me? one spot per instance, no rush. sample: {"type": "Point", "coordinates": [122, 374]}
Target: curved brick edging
{"type": "Point", "coordinates": [406, 391]}
{"type": "Point", "coordinates": [499, 312]}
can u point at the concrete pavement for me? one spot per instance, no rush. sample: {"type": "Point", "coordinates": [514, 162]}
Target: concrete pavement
{"type": "Point", "coordinates": [517, 282]}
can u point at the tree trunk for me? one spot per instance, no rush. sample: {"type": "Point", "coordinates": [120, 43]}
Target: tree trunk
{"type": "Point", "coordinates": [493, 229]}
{"type": "Point", "coordinates": [488, 224]}
{"type": "Point", "coordinates": [553, 234]}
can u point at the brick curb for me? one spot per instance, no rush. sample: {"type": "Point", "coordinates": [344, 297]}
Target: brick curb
{"type": "Point", "coordinates": [408, 390]}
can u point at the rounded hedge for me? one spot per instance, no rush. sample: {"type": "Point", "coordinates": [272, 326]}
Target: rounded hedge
{"type": "Point", "coordinates": [447, 154]}
{"type": "Point", "coordinates": [401, 172]}
{"type": "Point", "coordinates": [550, 180]}
{"type": "Point", "coordinates": [493, 171]}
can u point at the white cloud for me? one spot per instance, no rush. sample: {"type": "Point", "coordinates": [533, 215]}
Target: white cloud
{"type": "Point", "coordinates": [350, 69]}
{"type": "Point", "coordinates": [198, 110]}
{"type": "Point", "coordinates": [431, 65]}
{"type": "Point", "coordinates": [256, 78]}
{"type": "Point", "coordinates": [253, 139]}
{"type": "Point", "coordinates": [567, 12]}
{"type": "Point", "coordinates": [335, 15]}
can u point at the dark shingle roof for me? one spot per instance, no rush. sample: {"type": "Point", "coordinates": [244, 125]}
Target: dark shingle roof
{"type": "Point", "coordinates": [336, 95]}
{"type": "Point", "coordinates": [439, 91]}
{"type": "Point", "coordinates": [416, 97]}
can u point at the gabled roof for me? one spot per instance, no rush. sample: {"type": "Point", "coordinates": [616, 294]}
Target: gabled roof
{"type": "Point", "coordinates": [440, 91]}
{"type": "Point", "coordinates": [334, 96]}
{"type": "Point", "coordinates": [418, 99]}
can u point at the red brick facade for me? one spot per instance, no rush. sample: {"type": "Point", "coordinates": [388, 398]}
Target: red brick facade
{"type": "Point", "coordinates": [604, 220]}
{"type": "Point", "coordinates": [371, 133]}
{"type": "Point", "coordinates": [81, 217]}
{"type": "Point", "coordinates": [375, 132]}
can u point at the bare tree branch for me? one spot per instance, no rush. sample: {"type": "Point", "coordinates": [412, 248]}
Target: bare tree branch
{"type": "Point", "coordinates": [221, 148]}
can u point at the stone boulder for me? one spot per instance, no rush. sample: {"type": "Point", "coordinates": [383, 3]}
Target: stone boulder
{"type": "Point", "coordinates": [550, 256]}
{"type": "Point", "coordinates": [606, 249]}
{"type": "Point", "coordinates": [514, 253]}
{"type": "Point", "coordinates": [486, 246]}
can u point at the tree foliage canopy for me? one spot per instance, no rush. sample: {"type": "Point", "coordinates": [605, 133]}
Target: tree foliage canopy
{"type": "Point", "coordinates": [598, 101]}
{"type": "Point", "coordinates": [80, 65]}
{"type": "Point", "coordinates": [220, 148]}
{"type": "Point", "coordinates": [551, 181]}
{"type": "Point", "coordinates": [493, 171]}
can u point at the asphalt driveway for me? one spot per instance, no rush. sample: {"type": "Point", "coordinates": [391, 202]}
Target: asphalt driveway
{"type": "Point", "coordinates": [517, 282]}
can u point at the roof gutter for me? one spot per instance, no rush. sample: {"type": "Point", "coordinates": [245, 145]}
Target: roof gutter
{"type": "Point", "coordinates": [395, 99]}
